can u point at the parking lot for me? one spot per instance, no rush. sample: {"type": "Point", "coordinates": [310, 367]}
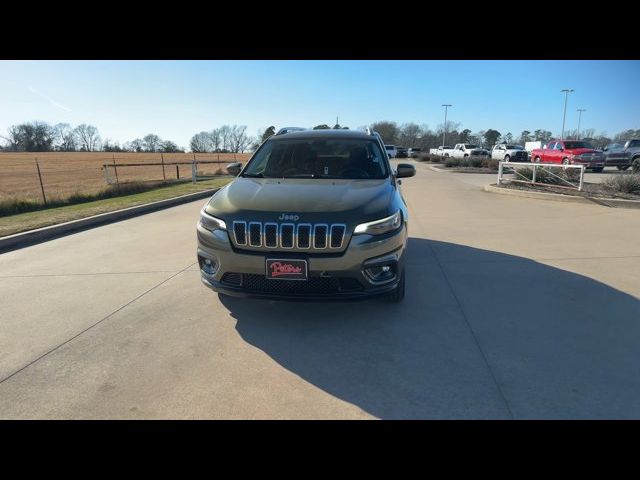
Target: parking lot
{"type": "Point", "coordinates": [515, 308]}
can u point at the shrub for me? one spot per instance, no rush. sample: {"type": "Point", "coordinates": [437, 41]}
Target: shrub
{"type": "Point", "coordinates": [629, 183]}
{"type": "Point", "coordinates": [556, 176]}
{"type": "Point", "coordinates": [490, 163]}
{"type": "Point", "coordinates": [427, 157]}
{"type": "Point", "coordinates": [476, 161]}
{"type": "Point", "coordinates": [451, 162]}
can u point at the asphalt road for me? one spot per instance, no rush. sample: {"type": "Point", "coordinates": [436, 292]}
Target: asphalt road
{"type": "Point", "coordinates": [515, 308]}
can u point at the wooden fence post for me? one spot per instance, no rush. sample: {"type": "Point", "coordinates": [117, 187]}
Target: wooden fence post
{"type": "Point", "coordinates": [194, 172]}
{"type": "Point", "coordinates": [44, 198]}
{"type": "Point", "coordinates": [177, 172]}
{"type": "Point", "coordinates": [164, 177]}
{"type": "Point", "coordinates": [115, 169]}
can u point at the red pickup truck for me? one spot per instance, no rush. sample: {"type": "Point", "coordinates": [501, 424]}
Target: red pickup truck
{"type": "Point", "coordinates": [569, 152]}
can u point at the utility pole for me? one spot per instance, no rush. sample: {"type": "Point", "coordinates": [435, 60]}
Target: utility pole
{"type": "Point", "coordinates": [444, 133]}
{"type": "Point", "coordinates": [580, 118]}
{"type": "Point", "coordinates": [566, 91]}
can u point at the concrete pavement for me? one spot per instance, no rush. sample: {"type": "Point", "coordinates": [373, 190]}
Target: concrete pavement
{"type": "Point", "coordinates": [515, 308]}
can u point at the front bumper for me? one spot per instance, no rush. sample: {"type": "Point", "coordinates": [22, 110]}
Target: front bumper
{"type": "Point", "coordinates": [307, 297]}
{"type": "Point", "coordinates": [361, 252]}
{"type": "Point", "coordinates": [588, 163]}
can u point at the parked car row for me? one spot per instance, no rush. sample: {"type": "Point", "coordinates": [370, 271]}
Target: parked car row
{"type": "Point", "coordinates": [572, 152]}
{"type": "Point", "coordinates": [568, 152]}
{"type": "Point", "coordinates": [460, 150]}
{"type": "Point", "coordinates": [402, 152]}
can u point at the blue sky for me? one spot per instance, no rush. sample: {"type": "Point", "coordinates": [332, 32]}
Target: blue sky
{"type": "Point", "coordinates": [175, 99]}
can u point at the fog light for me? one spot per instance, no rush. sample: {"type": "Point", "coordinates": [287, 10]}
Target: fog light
{"type": "Point", "coordinates": [381, 273]}
{"type": "Point", "coordinates": [208, 265]}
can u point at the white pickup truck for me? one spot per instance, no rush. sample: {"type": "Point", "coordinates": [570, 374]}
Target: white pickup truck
{"type": "Point", "coordinates": [509, 152]}
{"type": "Point", "coordinates": [441, 151]}
{"type": "Point", "coordinates": [463, 150]}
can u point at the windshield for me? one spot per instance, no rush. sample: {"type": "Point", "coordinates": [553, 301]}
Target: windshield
{"type": "Point", "coordinates": [389, 147]}
{"type": "Point", "coordinates": [572, 145]}
{"type": "Point", "coordinates": [514, 147]}
{"type": "Point", "coordinates": [326, 158]}
{"type": "Point", "coordinates": [468, 145]}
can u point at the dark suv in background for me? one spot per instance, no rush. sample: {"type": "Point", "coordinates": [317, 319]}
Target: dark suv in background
{"type": "Point", "coordinates": [314, 214]}
{"type": "Point", "coordinates": [623, 156]}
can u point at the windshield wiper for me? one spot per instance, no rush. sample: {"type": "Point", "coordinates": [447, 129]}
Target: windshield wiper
{"type": "Point", "coordinates": [301, 175]}
{"type": "Point", "coordinates": [253, 175]}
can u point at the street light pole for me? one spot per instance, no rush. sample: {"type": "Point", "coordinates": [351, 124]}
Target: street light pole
{"type": "Point", "coordinates": [580, 118]}
{"type": "Point", "coordinates": [444, 133]}
{"type": "Point", "coordinates": [566, 91]}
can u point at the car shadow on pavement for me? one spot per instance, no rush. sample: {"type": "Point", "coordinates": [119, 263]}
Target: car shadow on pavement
{"type": "Point", "coordinates": [480, 334]}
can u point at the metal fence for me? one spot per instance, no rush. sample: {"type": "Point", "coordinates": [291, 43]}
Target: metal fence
{"type": "Point", "coordinates": [46, 176]}
{"type": "Point", "coordinates": [565, 182]}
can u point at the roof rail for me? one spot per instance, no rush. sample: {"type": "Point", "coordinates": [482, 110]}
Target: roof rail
{"type": "Point", "coordinates": [284, 130]}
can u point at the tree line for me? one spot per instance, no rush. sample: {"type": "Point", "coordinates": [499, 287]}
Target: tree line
{"type": "Point", "coordinates": [412, 135]}
{"type": "Point", "coordinates": [225, 139]}
{"type": "Point", "coordinates": [41, 137]}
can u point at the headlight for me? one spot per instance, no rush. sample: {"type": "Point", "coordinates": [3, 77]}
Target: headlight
{"type": "Point", "coordinates": [378, 227]}
{"type": "Point", "coordinates": [211, 223]}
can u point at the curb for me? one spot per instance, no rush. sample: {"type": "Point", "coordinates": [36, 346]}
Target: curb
{"type": "Point", "coordinates": [39, 235]}
{"type": "Point", "coordinates": [605, 202]}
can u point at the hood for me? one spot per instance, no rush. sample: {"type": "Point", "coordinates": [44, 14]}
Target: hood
{"type": "Point", "coordinates": [265, 199]}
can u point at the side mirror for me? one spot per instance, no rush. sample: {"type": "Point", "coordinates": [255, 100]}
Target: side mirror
{"type": "Point", "coordinates": [405, 170]}
{"type": "Point", "coordinates": [234, 168]}
{"type": "Point", "coordinates": [605, 149]}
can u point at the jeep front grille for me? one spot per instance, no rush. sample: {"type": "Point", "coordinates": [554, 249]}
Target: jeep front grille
{"type": "Point", "coordinates": [289, 236]}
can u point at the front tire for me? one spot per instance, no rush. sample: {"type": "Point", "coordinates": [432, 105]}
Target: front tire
{"type": "Point", "coordinates": [635, 166]}
{"type": "Point", "coordinates": [536, 160]}
{"type": "Point", "coordinates": [398, 294]}
{"type": "Point", "coordinates": [507, 158]}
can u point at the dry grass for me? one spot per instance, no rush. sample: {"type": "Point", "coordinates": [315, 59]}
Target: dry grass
{"type": "Point", "coordinates": [52, 216]}
{"type": "Point", "coordinates": [79, 173]}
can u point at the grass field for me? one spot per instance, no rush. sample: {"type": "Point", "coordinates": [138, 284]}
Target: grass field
{"type": "Point", "coordinates": [52, 216]}
{"type": "Point", "coordinates": [65, 174]}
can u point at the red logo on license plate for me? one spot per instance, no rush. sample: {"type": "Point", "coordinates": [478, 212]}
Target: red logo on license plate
{"type": "Point", "coordinates": [283, 268]}
{"type": "Point", "coordinates": [278, 269]}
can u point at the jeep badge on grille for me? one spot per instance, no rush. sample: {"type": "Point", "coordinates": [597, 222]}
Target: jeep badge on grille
{"type": "Point", "coordinates": [285, 216]}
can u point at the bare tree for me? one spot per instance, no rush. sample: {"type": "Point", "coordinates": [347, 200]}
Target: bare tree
{"type": "Point", "coordinates": [136, 145]}
{"type": "Point", "coordinates": [388, 131]}
{"type": "Point", "coordinates": [409, 135]}
{"type": "Point", "coordinates": [216, 140]}
{"type": "Point", "coordinates": [588, 133]}
{"type": "Point", "coordinates": [225, 135]}
{"type": "Point", "coordinates": [88, 137]}
{"type": "Point", "coordinates": [152, 142]}
{"type": "Point", "coordinates": [65, 137]}
{"type": "Point", "coordinates": [239, 139]}
{"type": "Point", "coordinates": [451, 127]}
{"type": "Point", "coordinates": [169, 147]}
{"type": "Point", "coordinates": [201, 142]}
{"type": "Point", "coordinates": [30, 137]}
